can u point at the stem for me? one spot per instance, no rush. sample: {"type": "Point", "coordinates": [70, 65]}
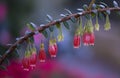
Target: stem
{"type": "Point", "coordinates": [91, 3]}
{"type": "Point", "coordinates": [53, 23]}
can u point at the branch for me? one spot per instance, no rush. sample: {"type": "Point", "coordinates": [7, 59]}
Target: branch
{"type": "Point", "coordinates": [53, 23]}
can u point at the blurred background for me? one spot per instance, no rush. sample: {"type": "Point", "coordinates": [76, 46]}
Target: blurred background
{"type": "Point", "coordinates": [99, 61]}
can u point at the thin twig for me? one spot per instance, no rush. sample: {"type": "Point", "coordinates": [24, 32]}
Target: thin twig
{"type": "Point", "coordinates": [91, 3]}
{"type": "Point", "coordinates": [53, 23]}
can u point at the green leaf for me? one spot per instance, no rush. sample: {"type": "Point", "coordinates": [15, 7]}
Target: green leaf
{"type": "Point", "coordinates": [2, 67]}
{"type": "Point", "coordinates": [32, 26]}
{"type": "Point", "coordinates": [49, 18]}
{"type": "Point", "coordinates": [45, 33]}
{"type": "Point", "coordinates": [73, 19]}
{"type": "Point", "coordinates": [6, 61]}
{"type": "Point", "coordinates": [104, 4]}
{"type": "Point", "coordinates": [58, 25]}
{"type": "Point", "coordinates": [115, 4]}
{"type": "Point", "coordinates": [66, 25]}
{"type": "Point", "coordinates": [51, 28]}
{"type": "Point", "coordinates": [85, 7]}
{"type": "Point", "coordinates": [68, 11]}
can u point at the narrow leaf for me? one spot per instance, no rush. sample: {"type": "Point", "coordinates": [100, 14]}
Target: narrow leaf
{"type": "Point", "coordinates": [58, 25]}
{"type": "Point", "coordinates": [101, 6]}
{"type": "Point", "coordinates": [66, 25]}
{"type": "Point", "coordinates": [104, 4]}
{"type": "Point", "coordinates": [68, 11]}
{"type": "Point", "coordinates": [51, 28]}
{"type": "Point", "coordinates": [6, 61]}
{"type": "Point", "coordinates": [45, 33]}
{"type": "Point", "coordinates": [85, 7]}
{"type": "Point", "coordinates": [79, 9]}
{"type": "Point", "coordinates": [49, 18]}
{"type": "Point", "coordinates": [115, 4]}
{"type": "Point", "coordinates": [73, 19]}
{"type": "Point", "coordinates": [32, 26]}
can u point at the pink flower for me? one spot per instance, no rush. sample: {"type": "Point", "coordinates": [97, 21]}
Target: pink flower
{"type": "Point", "coordinates": [88, 38]}
{"type": "Point", "coordinates": [76, 41]}
{"type": "Point", "coordinates": [3, 11]}
{"type": "Point", "coordinates": [33, 59]}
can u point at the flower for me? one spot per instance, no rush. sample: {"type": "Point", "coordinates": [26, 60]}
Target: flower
{"type": "Point", "coordinates": [42, 55]}
{"type": "Point", "coordinates": [107, 25]}
{"type": "Point", "coordinates": [88, 39]}
{"type": "Point", "coordinates": [26, 63]}
{"type": "Point", "coordinates": [33, 59]}
{"type": "Point", "coordinates": [76, 41]}
{"type": "Point", "coordinates": [51, 49]}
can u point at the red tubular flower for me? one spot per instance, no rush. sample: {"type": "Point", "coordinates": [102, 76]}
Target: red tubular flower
{"type": "Point", "coordinates": [76, 41]}
{"type": "Point", "coordinates": [33, 59]}
{"type": "Point", "coordinates": [92, 38]}
{"type": "Point", "coordinates": [26, 63]}
{"type": "Point", "coordinates": [42, 55]}
{"type": "Point", "coordinates": [52, 50]}
{"type": "Point", "coordinates": [86, 39]}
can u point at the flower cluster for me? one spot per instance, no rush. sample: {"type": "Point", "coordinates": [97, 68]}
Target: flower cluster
{"type": "Point", "coordinates": [30, 58]}
{"type": "Point", "coordinates": [86, 33]}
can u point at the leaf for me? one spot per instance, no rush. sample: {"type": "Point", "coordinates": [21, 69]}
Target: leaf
{"type": "Point", "coordinates": [2, 67]}
{"type": "Point", "coordinates": [73, 19]}
{"type": "Point", "coordinates": [49, 18]}
{"type": "Point", "coordinates": [6, 61]}
{"type": "Point", "coordinates": [51, 28]}
{"type": "Point", "coordinates": [66, 25]}
{"type": "Point", "coordinates": [45, 33]}
{"type": "Point", "coordinates": [79, 9]}
{"type": "Point", "coordinates": [32, 26]}
{"type": "Point", "coordinates": [104, 4]}
{"type": "Point", "coordinates": [62, 15]}
{"type": "Point", "coordinates": [101, 6]}
{"type": "Point", "coordinates": [85, 7]}
{"type": "Point", "coordinates": [115, 4]}
{"type": "Point", "coordinates": [68, 11]}
{"type": "Point", "coordinates": [58, 25]}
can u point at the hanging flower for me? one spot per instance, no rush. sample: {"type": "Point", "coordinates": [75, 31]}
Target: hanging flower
{"type": "Point", "coordinates": [88, 39]}
{"type": "Point", "coordinates": [97, 26]}
{"type": "Point", "coordinates": [51, 49]}
{"type": "Point", "coordinates": [107, 25]}
{"type": "Point", "coordinates": [42, 55]}
{"type": "Point", "coordinates": [76, 41]}
{"type": "Point", "coordinates": [55, 45]}
{"type": "Point", "coordinates": [88, 35]}
{"type": "Point", "coordinates": [26, 61]}
{"type": "Point", "coordinates": [33, 58]}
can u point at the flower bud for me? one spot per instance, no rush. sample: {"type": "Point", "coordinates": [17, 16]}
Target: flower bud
{"type": "Point", "coordinates": [107, 25]}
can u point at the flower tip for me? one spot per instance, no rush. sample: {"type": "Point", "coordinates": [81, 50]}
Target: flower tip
{"type": "Point", "coordinates": [53, 56]}
{"type": "Point", "coordinates": [76, 46]}
{"type": "Point", "coordinates": [25, 69]}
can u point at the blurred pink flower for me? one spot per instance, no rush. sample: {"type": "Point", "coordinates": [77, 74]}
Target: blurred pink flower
{"type": "Point", "coordinates": [38, 38]}
{"type": "Point", "coordinates": [3, 11]}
